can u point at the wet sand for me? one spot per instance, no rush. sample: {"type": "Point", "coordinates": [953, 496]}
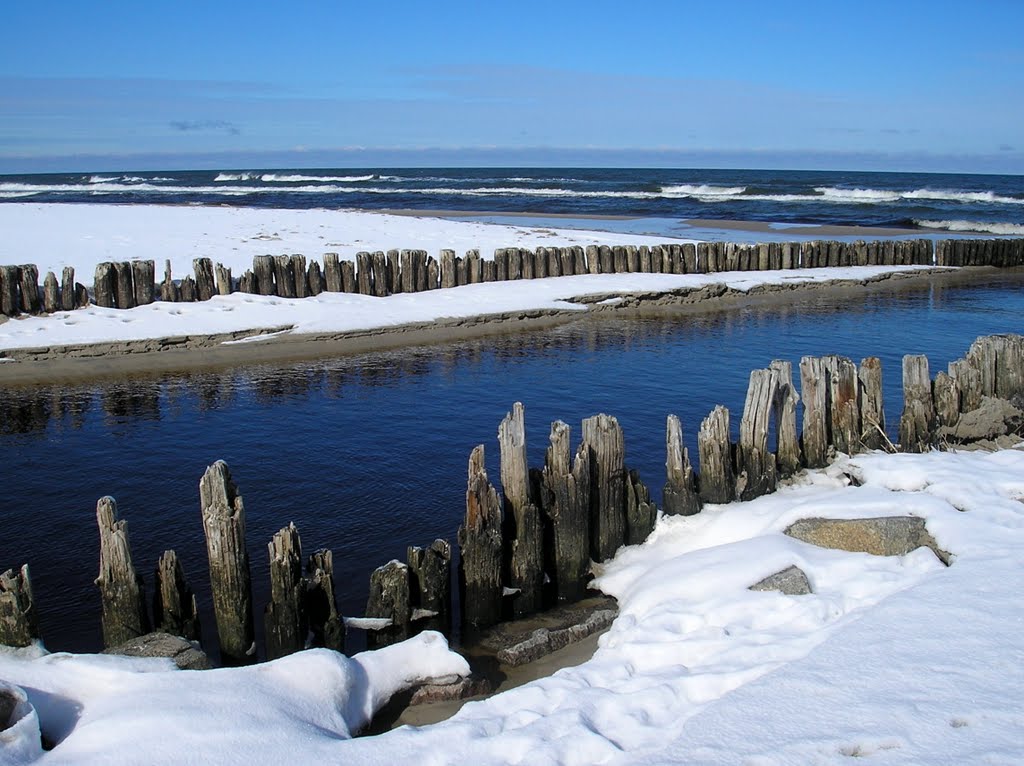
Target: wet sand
{"type": "Point", "coordinates": [155, 357]}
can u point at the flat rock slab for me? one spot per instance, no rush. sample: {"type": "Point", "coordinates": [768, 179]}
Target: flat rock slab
{"type": "Point", "coordinates": [886, 536]}
{"type": "Point", "coordinates": [791, 581]}
{"type": "Point", "coordinates": [517, 643]}
{"type": "Point", "coordinates": [185, 655]}
{"type": "Point", "coordinates": [994, 418]}
{"type": "Point", "coordinates": [473, 685]}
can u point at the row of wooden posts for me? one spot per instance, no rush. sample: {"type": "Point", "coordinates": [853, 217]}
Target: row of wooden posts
{"type": "Point", "coordinates": [127, 284]}
{"type": "Point", "coordinates": [533, 545]}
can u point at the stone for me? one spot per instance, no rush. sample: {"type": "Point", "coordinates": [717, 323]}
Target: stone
{"type": "Point", "coordinates": [186, 655]}
{"type": "Point", "coordinates": [885, 536]}
{"type": "Point", "coordinates": [994, 418]}
{"type": "Point", "coordinates": [444, 690]}
{"type": "Point", "coordinates": [790, 581]}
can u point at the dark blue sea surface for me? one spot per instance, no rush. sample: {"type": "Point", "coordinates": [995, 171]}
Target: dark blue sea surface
{"type": "Point", "coordinates": [367, 454]}
{"type": "Point", "coordinates": [918, 201]}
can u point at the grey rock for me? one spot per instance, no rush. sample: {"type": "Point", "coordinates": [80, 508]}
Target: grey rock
{"type": "Point", "coordinates": [185, 654]}
{"type": "Point", "coordinates": [444, 690]}
{"type": "Point", "coordinates": [886, 536]}
{"type": "Point", "coordinates": [994, 418]}
{"type": "Point", "coordinates": [791, 581]}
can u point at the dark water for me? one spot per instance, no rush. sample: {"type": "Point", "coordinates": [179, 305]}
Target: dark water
{"type": "Point", "coordinates": [367, 454]}
{"type": "Point", "coordinates": [932, 201]}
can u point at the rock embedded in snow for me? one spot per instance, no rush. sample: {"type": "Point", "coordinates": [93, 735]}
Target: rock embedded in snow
{"type": "Point", "coordinates": [185, 654]}
{"type": "Point", "coordinates": [790, 581]}
{"type": "Point", "coordinates": [888, 536]}
{"type": "Point", "coordinates": [446, 690]}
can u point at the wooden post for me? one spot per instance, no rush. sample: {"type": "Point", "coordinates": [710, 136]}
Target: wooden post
{"type": "Point", "coordinates": [844, 413]}
{"type": "Point", "coordinates": [326, 625]}
{"type": "Point", "coordinates": [641, 513]}
{"type": "Point", "coordinates": [500, 265]}
{"type": "Point", "coordinates": [364, 273]}
{"type": "Point", "coordinates": [144, 281]}
{"type": "Point", "coordinates": [717, 482]}
{"type": "Point", "coordinates": [430, 584]}
{"type": "Point", "coordinates": [285, 616]}
{"type": "Point", "coordinates": [788, 458]}
{"type": "Point", "coordinates": [603, 436]}
{"type": "Point", "coordinates": [389, 599]}
{"type": "Point", "coordinates": [679, 497]}
{"type": "Point", "coordinates": [474, 268]}
{"type": "Point", "coordinates": [521, 516]}
{"type": "Point", "coordinates": [349, 283]}
{"type": "Point", "coordinates": [284, 276]}
{"type": "Point", "coordinates": [121, 588]}
{"type": "Point", "coordinates": [917, 423]}
{"type": "Point", "coordinates": [51, 293]}
{"type": "Point", "coordinates": [224, 524]}
{"type": "Point", "coordinates": [222, 277]}
{"type": "Point", "coordinates": [19, 625]}
{"type": "Point", "coordinates": [67, 288]}
{"type": "Point", "coordinates": [814, 391]}
{"type": "Point", "coordinates": [103, 285]}
{"type": "Point", "coordinates": [607, 259]}
{"type": "Point", "coordinates": [168, 290]}
{"type": "Point", "coordinates": [314, 278]}
{"type": "Point", "coordinates": [10, 282]}
{"type": "Point", "coordinates": [461, 272]}
{"type": "Point", "coordinates": [30, 302]}
{"type": "Point", "coordinates": [205, 285]}
{"type": "Point", "coordinates": [481, 547]}
{"type": "Point", "coordinates": [968, 381]}
{"type": "Point", "coordinates": [619, 264]}
{"type": "Point", "coordinates": [187, 291]}
{"type": "Point", "coordinates": [593, 259]}
{"type": "Point", "coordinates": [332, 273]}
{"type": "Point", "coordinates": [393, 272]}
{"type": "Point", "coordinates": [567, 260]}
{"type": "Point", "coordinates": [565, 501]}
{"type": "Point", "coordinates": [124, 288]}
{"type": "Point", "coordinates": [434, 273]}
{"type": "Point", "coordinates": [448, 268]}
{"type": "Point", "coordinates": [408, 280]}
{"type": "Point", "coordinates": [174, 603]}
{"type": "Point", "coordinates": [380, 266]}
{"type": "Point", "coordinates": [535, 265]}
{"type": "Point", "coordinates": [946, 395]}
{"type": "Point", "coordinates": [298, 271]}
{"type": "Point", "coordinates": [872, 411]}
{"type": "Point", "coordinates": [263, 271]}
{"type": "Point", "coordinates": [755, 465]}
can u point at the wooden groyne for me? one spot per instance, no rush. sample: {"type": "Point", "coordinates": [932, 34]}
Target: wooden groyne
{"type": "Point", "coordinates": [128, 284]}
{"type": "Point", "coordinates": [532, 545]}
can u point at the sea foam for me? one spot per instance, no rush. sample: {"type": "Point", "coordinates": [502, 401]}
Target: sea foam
{"type": "Point", "coordinates": [986, 227]}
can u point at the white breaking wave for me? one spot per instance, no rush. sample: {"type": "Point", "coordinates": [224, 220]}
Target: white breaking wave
{"type": "Point", "coordinates": [870, 196]}
{"type": "Point", "coordinates": [702, 190]}
{"type": "Point", "coordinates": [986, 227]}
{"type": "Point", "coordinates": [236, 177]}
{"type": "Point", "coordinates": [276, 178]}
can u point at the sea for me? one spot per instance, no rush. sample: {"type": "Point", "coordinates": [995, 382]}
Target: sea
{"type": "Point", "coordinates": [925, 202]}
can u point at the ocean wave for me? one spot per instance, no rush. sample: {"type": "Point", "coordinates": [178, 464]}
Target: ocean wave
{"type": "Point", "coordinates": [987, 227]}
{"type": "Point", "coordinates": [871, 196]}
{"type": "Point", "coordinates": [276, 178]}
{"type": "Point", "coordinates": [221, 177]}
{"type": "Point", "coordinates": [702, 190]}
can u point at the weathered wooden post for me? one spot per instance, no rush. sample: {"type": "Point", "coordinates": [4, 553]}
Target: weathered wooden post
{"type": "Point", "coordinates": [143, 280]}
{"type": "Point", "coordinates": [51, 293]}
{"type": "Point", "coordinates": [224, 524]}
{"type": "Point", "coordinates": [393, 272]}
{"type": "Point", "coordinates": [565, 501]}
{"type": "Point", "coordinates": [174, 603]}
{"type": "Point", "coordinates": [946, 395]}
{"type": "Point", "coordinates": [917, 423]}
{"type": "Point", "coordinates": [284, 276]}
{"type": "Point", "coordinates": [299, 272]}
{"type": "Point", "coordinates": [349, 283]}
{"type": "Point", "coordinates": [641, 513]}
{"type": "Point", "coordinates": [843, 410]}
{"type": "Point", "coordinates": [222, 276]}
{"type": "Point", "coordinates": [30, 302]}
{"type": "Point", "coordinates": [187, 290]}
{"type": "Point", "coordinates": [430, 584]}
{"type": "Point", "coordinates": [314, 277]}
{"type": "Point", "coordinates": [717, 481]}
{"type": "Point", "coordinates": [521, 515]}
{"type": "Point", "coordinates": [447, 268]}
{"type": "Point", "coordinates": [389, 600]}
{"type": "Point", "coordinates": [755, 465]}
{"type": "Point", "coordinates": [380, 267]}
{"type": "Point", "coordinates": [332, 273]}
{"type": "Point", "coordinates": [19, 625]}
{"type": "Point", "coordinates": [364, 273]}
{"type": "Point", "coordinates": [787, 451]}
{"type": "Point", "coordinates": [103, 285]}
{"type": "Point", "coordinates": [814, 391]}
{"type": "Point", "coordinates": [679, 496]}
{"type": "Point", "coordinates": [67, 289]}
{"type": "Point", "coordinates": [10, 300]}
{"type": "Point", "coordinates": [205, 285]}
{"type": "Point", "coordinates": [480, 542]}
{"type": "Point", "coordinates": [285, 616]}
{"type": "Point", "coordinates": [325, 623]}
{"type": "Point", "coordinates": [263, 271]}
{"type": "Point", "coordinates": [603, 435]}
{"type": "Point", "coordinates": [872, 411]}
{"type": "Point", "coordinates": [121, 588]}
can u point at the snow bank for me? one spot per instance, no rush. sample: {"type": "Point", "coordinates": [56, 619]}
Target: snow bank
{"type": "Point", "coordinates": [897, 658]}
{"type": "Point", "coordinates": [330, 313]}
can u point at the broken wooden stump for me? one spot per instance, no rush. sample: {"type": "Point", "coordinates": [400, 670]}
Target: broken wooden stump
{"type": "Point", "coordinates": [389, 600]}
{"type": "Point", "coordinates": [522, 517]}
{"type": "Point", "coordinates": [224, 525]}
{"type": "Point", "coordinates": [121, 588]}
{"type": "Point", "coordinates": [30, 300]}
{"type": "Point", "coordinates": [603, 435]}
{"type": "Point", "coordinates": [206, 286]}
{"type": "Point", "coordinates": [104, 285]}
{"type": "Point", "coordinates": [480, 543]}
{"type": "Point", "coordinates": [679, 497]}
{"type": "Point", "coordinates": [872, 411]}
{"type": "Point", "coordinates": [19, 624]}
{"type": "Point", "coordinates": [717, 482]}
{"type": "Point", "coordinates": [844, 413]}
{"type": "Point", "coordinates": [222, 278]}
{"type": "Point", "coordinates": [67, 289]}
{"type": "Point", "coordinates": [755, 465]}
{"type": "Point", "coordinates": [814, 391]}
{"type": "Point", "coordinates": [641, 513]}
{"type": "Point", "coordinates": [565, 502]}
{"type": "Point", "coordinates": [284, 276]}
{"type": "Point", "coordinates": [169, 291]}
{"type": "Point", "coordinates": [10, 299]}
{"type": "Point", "coordinates": [263, 272]}
{"type": "Point", "coordinates": [787, 439]}
{"type": "Point", "coordinates": [284, 618]}
{"type": "Point", "coordinates": [430, 587]}
{"type": "Point", "coordinates": [325, 623]}
{"type": "Point", "coordinates": [917, 423]}
{"type": "Point", "coordinates": [174, 603]}
{"type": "Point", "coordinates": [51, 293]}
{"type": "Point", "coordinates": [143, 280]}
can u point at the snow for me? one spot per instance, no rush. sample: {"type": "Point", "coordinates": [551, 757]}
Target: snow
{"type": "Point", "coordinates": [896, 658]}
{"type": "Point", "coordinates": [331, 313]}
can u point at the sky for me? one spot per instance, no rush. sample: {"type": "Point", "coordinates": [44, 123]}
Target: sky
{"type": "Point", "coordinates": [867, 85]}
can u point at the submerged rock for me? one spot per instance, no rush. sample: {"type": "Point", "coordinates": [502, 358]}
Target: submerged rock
{"type": "Point", "coordinates": [791, 581]}
{"type": "Point", "coordinates": [886, 536]}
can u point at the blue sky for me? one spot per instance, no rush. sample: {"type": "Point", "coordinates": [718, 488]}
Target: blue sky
{"type": "Point", "coordinates": [833, 85]}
